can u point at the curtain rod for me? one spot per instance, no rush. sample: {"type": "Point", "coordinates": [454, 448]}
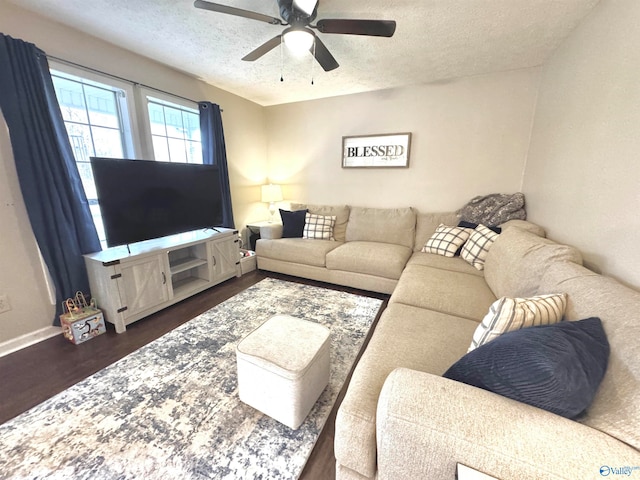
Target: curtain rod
{"type": "Point", "coordinates": [122, 79]}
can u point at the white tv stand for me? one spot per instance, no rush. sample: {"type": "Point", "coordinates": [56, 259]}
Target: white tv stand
{"type": "Point", "coordinates": [130, 283]}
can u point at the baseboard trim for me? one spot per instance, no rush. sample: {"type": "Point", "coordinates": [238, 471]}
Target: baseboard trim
{"type": "Point", "coordinates": [28, 339]}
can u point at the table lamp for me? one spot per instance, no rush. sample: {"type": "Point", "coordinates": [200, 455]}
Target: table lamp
{"type": "Point", "coordinates": [271, 194]}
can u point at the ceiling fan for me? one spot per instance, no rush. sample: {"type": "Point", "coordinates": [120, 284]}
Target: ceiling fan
{"type": "Point", "coordinates": [297, 16]}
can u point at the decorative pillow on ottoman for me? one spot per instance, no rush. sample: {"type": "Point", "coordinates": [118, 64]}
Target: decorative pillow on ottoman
{"type": "Point", "coordinates": [446, 240]}
{"type": "Point", "coordinates": [292, 223]}
{"type": "Point", "coordinates": [555, 367]}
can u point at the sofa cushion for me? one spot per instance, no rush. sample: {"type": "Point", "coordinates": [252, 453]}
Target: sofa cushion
{"type": "Point", "coordinates": [271, 231]}
{"type": "Point", "coordinates": [427, 424]}
{"type": "Point", "coordinates": [507, 314]}
{"type": "Point", "coordinates": [385, 225]}
{"type": "Point", "coordinates": [462, 295]}
{"type": "Point", "coordinates": [341, 212]}
{"type": "Point", "coordinates": [405, 336]}
{"type": "Point", "coordinates": [455, 264]}
{"type": "Point", "coordinates": [426, 224]}
{"type": "Point", "coordinates": [517, 260]}
{"type": "Point", "coordinates": [555, 367]}
{"type": "Point", "coordinates": [475, 250]}
{"type": "Point", "coordinates": [371, 258]}
{"type": "Point", "coordinates": [446, 240]}
{"type": "Point", "coordinates": [319, 227]}
{"type": "Point", "coordinates": [616, 408]}
{"type": "Point", "coordinates": [525, 225]}
{"type": "Point", "coordinates": [296, 250]}
{"type": "Point", "coordinates": [292, 223]}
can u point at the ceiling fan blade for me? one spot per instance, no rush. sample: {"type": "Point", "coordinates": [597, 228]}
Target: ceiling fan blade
{"type": "Point", "coordinates": [238, 12]}
{"type": "Point", "coordinates": [262, 49]}
{"type": "Point", "coordinates": [375, 28]}
{"type": "Point", "coordinates": [307, 6]}
{"type": "Point", "coordinates": [323, 56]}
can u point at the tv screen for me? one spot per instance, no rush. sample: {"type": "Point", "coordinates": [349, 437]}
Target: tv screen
{"type": "Point", "coordinates": [144, 199]}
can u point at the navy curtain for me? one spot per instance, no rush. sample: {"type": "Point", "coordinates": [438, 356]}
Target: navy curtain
{"type": "Point", "coordinates": [214, 152]}
{"type": "Point", "coordinates": [49, 180]}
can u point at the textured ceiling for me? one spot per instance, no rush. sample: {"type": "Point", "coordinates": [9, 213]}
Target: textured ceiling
{"type": "Point", "coordinates": [435, 40]}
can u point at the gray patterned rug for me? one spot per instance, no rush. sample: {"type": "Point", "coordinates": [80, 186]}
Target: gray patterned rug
{"type": "Point", "coordinates": [170, 410]}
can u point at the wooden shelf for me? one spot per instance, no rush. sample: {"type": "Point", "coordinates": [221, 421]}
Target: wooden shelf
{"type": "Point", "coordinates": [188, 285]}
{"type": "Point", "coordinates": [188, 263]}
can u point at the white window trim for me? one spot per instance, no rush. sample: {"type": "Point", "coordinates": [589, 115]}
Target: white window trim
{"type": "Point", "coordinates": [133, 146]}
{"type": "Point", "coordinates": [142, 105]}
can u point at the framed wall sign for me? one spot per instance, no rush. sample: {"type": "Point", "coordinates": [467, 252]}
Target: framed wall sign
{"type": "Point", "coordinates": [376, 151]}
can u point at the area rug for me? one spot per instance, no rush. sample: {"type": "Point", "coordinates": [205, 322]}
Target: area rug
{"type": "Point", "coordinates": [170, 410]}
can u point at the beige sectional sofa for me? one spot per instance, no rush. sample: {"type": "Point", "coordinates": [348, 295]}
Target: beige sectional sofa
{"type": "Point", "coordinates": [400, 419]}
{"type": "Point", "coordinates": [363, 236]}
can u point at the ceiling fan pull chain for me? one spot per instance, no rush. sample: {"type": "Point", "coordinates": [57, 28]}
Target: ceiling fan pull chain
{"type": "Point", "coordinates": [313, 60]}
{"type": "Point", "coordinates": [281, 59]}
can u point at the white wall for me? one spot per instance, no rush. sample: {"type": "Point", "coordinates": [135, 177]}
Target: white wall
{"type": "Point", "coordinates": [582, 178]}
{"type": "Point", "coordinates": [469, 137]}
{"type": "Point", "coordinates": [22, 278]}
{"type": "Point", "coordinates": [245, 135]}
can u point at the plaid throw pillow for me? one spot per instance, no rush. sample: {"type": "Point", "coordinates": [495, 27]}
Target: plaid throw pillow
{"type": "Point", "coordinates": [476, 249]}
{"type": "Point", "coordinates": [508, 314]}
{"type": "Point", "coordinates": [447, 240]}
{"type": "Point", "coordinates": [319, 227]}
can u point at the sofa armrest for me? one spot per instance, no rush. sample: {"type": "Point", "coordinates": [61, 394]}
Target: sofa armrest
{"type": "Point", "coordinates": [271, 232]}
{"type": "Point", "coordinates": [426, 424]}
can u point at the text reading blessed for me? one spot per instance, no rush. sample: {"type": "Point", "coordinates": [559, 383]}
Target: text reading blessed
{"type": "Point", "coordinates": [376, 151]}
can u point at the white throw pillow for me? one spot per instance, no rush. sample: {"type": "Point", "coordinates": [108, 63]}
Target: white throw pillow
{"type": "Point", "coordinates": [507, 314]}
{"type": "Point", "coordinates": [476, 248]}
{"type": "Point", "coordinates": [447, 240]}
{"type": "Point", "coordinates": [319, 227]}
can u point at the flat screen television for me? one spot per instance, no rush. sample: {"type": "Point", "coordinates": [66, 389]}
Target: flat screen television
{"type": "Point", "coordinates": [145, 199]}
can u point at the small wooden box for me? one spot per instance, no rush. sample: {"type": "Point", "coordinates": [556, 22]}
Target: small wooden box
{"type": "Point", "coordinates": [82, 326]}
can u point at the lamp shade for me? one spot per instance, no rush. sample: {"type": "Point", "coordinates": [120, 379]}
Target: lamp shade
{"type": "Point", "coordinates": [271, 193]}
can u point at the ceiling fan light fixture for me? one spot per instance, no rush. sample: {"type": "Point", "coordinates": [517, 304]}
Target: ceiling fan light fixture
{"type": "Point", "coordinates": [298, 40]}
{"type": "Point", "coordinates": [297, 16]}
{"type": "Point", "coordinates": [307, 6]}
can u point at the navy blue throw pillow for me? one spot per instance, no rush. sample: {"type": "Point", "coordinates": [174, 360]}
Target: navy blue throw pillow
{"type": "Point", "coordinates": [465, 224]}
{"type": "Point", "coordinates": [292, 223]}
{"type": "Point", "coordinates": [556, 367]}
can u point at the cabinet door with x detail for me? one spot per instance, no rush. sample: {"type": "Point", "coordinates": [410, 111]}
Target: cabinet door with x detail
{"type": "Point", "coordinates": [225, 258]}
{"type": "Point", "coordinates": [142, 284]}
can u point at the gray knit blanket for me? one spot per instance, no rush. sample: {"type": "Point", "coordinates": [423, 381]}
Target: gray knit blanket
{"type": "Point", "coordinates": [494, 209]}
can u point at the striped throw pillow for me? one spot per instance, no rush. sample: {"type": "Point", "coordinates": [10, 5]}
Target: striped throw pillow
{"type": "Point", "coordinates": [446, 240]}
{"type": "Point", "coordinates": [319, 227]}
{"type": "Point", "coordinates": [507, 314]}
{"type": "Point", "coordinates": [476, 248]}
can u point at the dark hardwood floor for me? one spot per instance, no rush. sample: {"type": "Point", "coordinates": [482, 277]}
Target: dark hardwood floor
{"type": "Point", "coordinates": [34, 374]}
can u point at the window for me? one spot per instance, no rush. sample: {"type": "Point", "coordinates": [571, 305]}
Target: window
{"type": "Point", "coordinates": [96, 117]}
{"type": "Point", "coordinates": [101, 121]}
{"type": "Point", "coordinates": [175, 131]}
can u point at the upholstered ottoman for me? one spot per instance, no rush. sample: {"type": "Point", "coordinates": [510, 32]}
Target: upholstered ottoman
{"type": "Point", "coordinates": [283, 367]}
